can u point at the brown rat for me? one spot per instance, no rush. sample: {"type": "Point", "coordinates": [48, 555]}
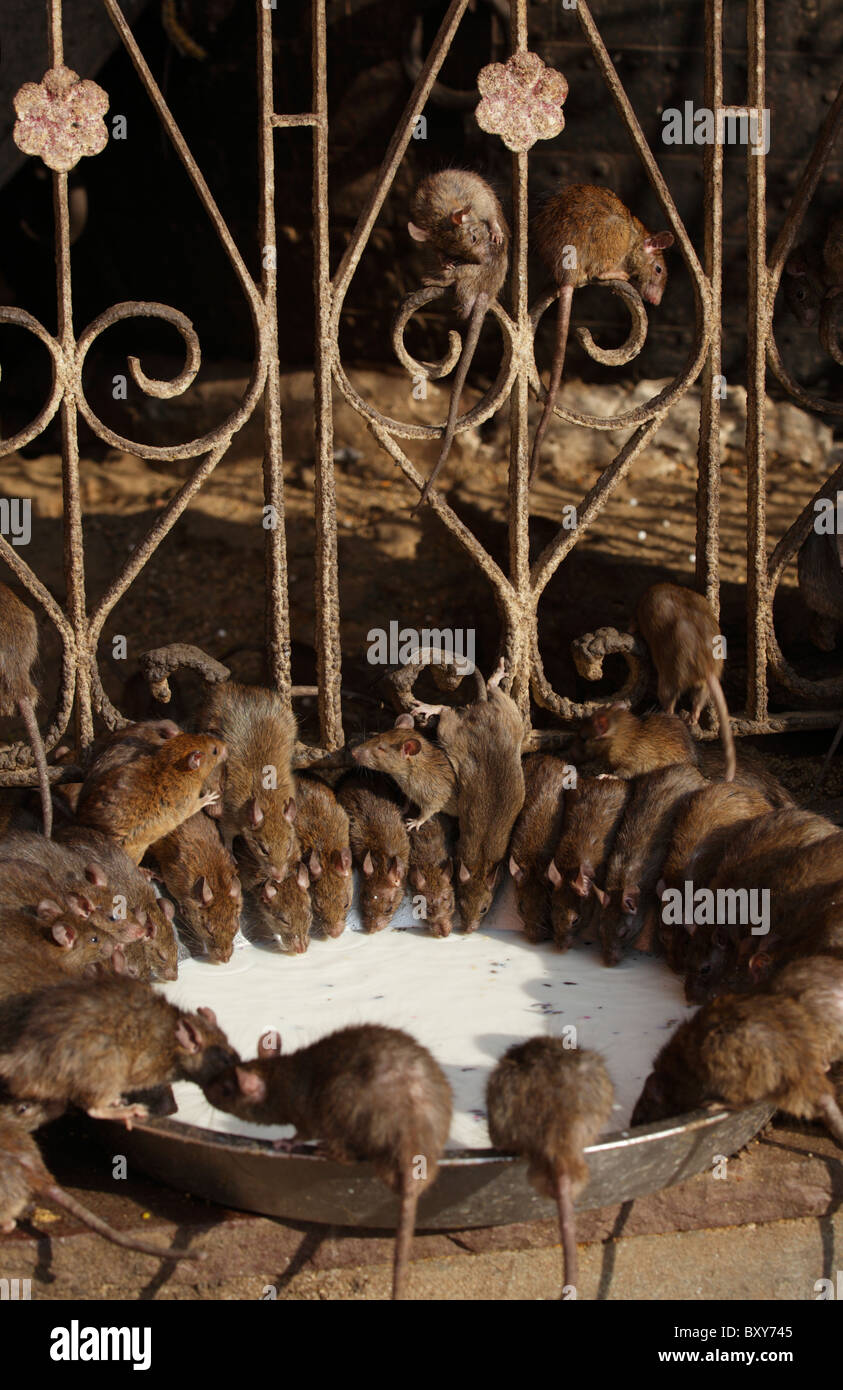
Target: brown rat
{"type": "Point", "coordinates": [582, 234]}
{"type": "Point", "coordinates": [683, 636]}
{"type": "Point", "coordinates": [576, 873]}
{"type": "Point", "coordinates": [279, 908]}
{"type": "Point", "coordinates": [322, 828]}
{"type": "Point", "coordinates": [535, 836]}
{"type": "Point", "coordinates": [368, 1094]}
{"type": "Point", "coordinates": [141, 801]}
{"type": "Point", "coordinates": [457, 214]}
{"type": "Point", "coordinates": [201, 876]}
{"type": "Point", "coordinates": [483, 744]}
{"type": "Point", "coordinates": [549, 1102]}
{"type": "Point", "coordinates": [65, 942]}
{"type": "Point", "coordinates": [639, 852]}
{"type": "Point", "coordinates": [88, 1043]}
{"type": "Point", "coordinates": [820, 573]}
{"type": "Point", "coordinates": [25, 1179]}
{"type": "Point", "coordinates": [380, 847]}
{"type": "Point", "coordinates": [259, 797]}
{"type": "Point", "coordinates": [420, 768]}
{"type": "Point", "coordinates": [18, 692]}
{"type": "Point", "coordinates": [627, 745]}
{"type": "Point", "coordinates": [431, 873]}
{"type": "Point", "coordinates": [742, 1049]}
{"type": "Point", "coordinates": [126, 744]}
{"type": "Point", "coordinates": [118, 886]}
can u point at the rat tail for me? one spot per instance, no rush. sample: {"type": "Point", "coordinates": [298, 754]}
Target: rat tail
{"type": "Point", "coordinates": [567, 1229]}
{"type": "Point", "coordinates": [726, 735]}
{"type": "Point", "coordinates": [40, 759]}
{"type": "Point", "coordinates": [472, 335]}
{"type": "Point", "coordinates": [409, 1194]}
{"type": "Point", "coordinates": [566, 295]}
{"type": "Point", "coordinates": [46, 1187]}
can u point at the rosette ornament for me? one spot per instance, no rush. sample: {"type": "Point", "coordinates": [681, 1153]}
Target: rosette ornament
{"type": "Point", "coordinates": [521, 101]}
{"type": "Point", "coordinates": [60, 119]}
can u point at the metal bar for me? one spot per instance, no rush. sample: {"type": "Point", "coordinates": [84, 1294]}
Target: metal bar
{"type": "Point", "coordinates": [328, 656]}
{"type": "Point", "coordinates": [276, 598]}
{"type": "Point", "coordinates": [756, 334]}
{"type": "Point", "coordinates": [519, 505]}
{"type": "Point", "coordinates": [708, 453]}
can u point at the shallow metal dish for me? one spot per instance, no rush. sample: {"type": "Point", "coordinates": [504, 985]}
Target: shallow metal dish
{"type": "Point", "coordinates": [475, 1187]}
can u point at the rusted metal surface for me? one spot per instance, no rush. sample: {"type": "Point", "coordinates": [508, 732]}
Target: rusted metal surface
{"type": "Point", "coordinates": [517, 592]}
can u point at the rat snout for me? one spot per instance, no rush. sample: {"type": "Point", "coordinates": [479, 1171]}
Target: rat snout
{"type": "Point", "coordinates": [297, 947]}
{"type": "Point", "coordinates": [335, 929]}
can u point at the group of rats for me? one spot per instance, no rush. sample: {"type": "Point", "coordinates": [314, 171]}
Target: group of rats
{"type": "Point", "coordinates": [212, 829]}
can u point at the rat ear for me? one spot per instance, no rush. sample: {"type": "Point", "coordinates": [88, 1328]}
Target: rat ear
{"type": "Point", "coordinates": [582, 883]}
{"type": "Point", "coordinates": [167, 908]}
{"type": "Point", "coordinates": [661, 889]}
{"type": "Point", "coordinates": [659, 242]}
{"type": "Point", "coordinates": [187, 1035]}
{"type": "Point", "coordinates": [194, 759]}
{"type": "Point", "coordinates": [313, 865]}
{"type": "Point", "coordinates": [600, 725]}
{"type": "Point", "coordinates": [368, 866]}
{"type": "Point", "coordinates": [410, 747]}
{"type": "Point", "coordinates": [303, 878]}
{"type": "Point", "coordinates": [394, 872]}
{"type": "Point", "coordinates": [95, 874]}
{"type": "Point", "coordinates": [630, 899]}
{"type": "Point", "coordinates": [404, 721]}
{"type": "Point", "coordinates": [118, 960]}
{"type": "Point", "coordinates": [48, 909]}
{"type": "Point", "coordinates": [269, 1044]}
{"type": "Point", "coordinates": [515, 869]}
{"type": "Point", "coordinates": [601, 895]}
{"type": "Point", "coordinates": [64, 936]}
{"type": "Point", "coordinates": [203, 891]}
{"type": "Point", "coordinates": [251, 1084]}
{"type": "Point", "coordinates": [465, 873]}
{"type": "Point", "coordinates": [417, 878]}
{"type": "Point", "coordinates": [290, 809]}
{"type": "Point", "coordinates": [208, 1015]}
{"type": "Point", "coordinates": [235, 891]}
{"type": "Point", "coordinates": [79, 905]}
{"type": "Point", "coordinates": [554, 875]}
{"type": "Point", "coordinates": [254, 812]}
{"type": "Point", "coordinates": [341, 861]}
{"type": "Point", "coordinates": [416, 232]}
{"type": "Point", "coordinates": [461, 215]}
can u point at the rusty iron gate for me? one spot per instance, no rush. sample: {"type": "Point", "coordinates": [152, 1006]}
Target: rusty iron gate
{"type": "Point", "coordinates": [61, 119]}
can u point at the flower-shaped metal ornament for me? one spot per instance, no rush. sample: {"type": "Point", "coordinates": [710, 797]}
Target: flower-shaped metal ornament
{"type": "Point", "coordinates": [60, 119]}
{"type": "Point", "coordinates": [521, 101]}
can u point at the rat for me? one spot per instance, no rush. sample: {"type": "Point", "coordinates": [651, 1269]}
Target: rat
{"type": "Point", "coordinates": [683, 636]}
{"type": "Point", "coordinates": [55, 941]}
{"type": "Point", "coordinates": [31, 891]}
{"type": "Point", "coordinates": [118, 886]}
{"type": "Point", "coordinates": [582, 234]}
{"type": "Point", "coordinates": [126, 744]}
{"type": "Point", "coordinates": [280, 908]}
{"type": "Point", "coordinates": [628, 746]}
{"type": "Point", "coordinates": [702, 831]}
{"type": "Point", "coordinates": [639, 852]}
{"type": "Point", "coordinates": [258, 802]}
{"type": "Point", "coordinates": [576, 873]}
{"type": "Point", "coordinates": [549, 1102]}
{"type": "Point", "coordinates": [368, 1094]}
{"type": "Point", "coordinates": [88, 1043]}
{"type": "Point", "coordinates": [820, 576]}
{"type": "Point", "coordinates": [201, 876]}
{"type": "Point", "coordinates": [141, 801]}
{"type": "Point", "coordinates": [482, 742]}
{"type": "Point", "coordinates": [421, 769]}
{"type": "Point", "coordinates": [803, 288]}
{"type": "Point", "coordinates": [25, 1179]}
{"type": "Point", "coordinates": [431, 873]}
{"type": "Point", "coordinates": [740, 1049]}
{"type": "Point", "coordinates": [457, 214]}
{"type": "Point", "coordinates": [18, 692]}
{"type": "Point", "coordinates": [322, 828]}
{"type": "Point", "coordinates": [380, 846]}
{"type": "Point", "coordinates": [535, 836]}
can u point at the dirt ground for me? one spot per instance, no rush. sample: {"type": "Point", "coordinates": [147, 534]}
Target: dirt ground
{"type": "Point", "coordinates": [205, 583]}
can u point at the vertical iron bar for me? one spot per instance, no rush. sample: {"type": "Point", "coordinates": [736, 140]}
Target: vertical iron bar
{"type": "Point", "coordinates": [74, 553]}
{"type": "Point", "coordinates": [757, 331]}
{"type": "Point", "coordinates": [519, 539]}
{"type": "Point", "coordinates": [708, 454]}
{"type": "Point", "coordinates": [276, 597]}
{"type": "Point", "coordinates": [328, 657]}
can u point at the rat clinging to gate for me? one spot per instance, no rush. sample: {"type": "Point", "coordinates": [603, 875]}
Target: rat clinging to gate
{"type": "Point", "coordinates": [18, 693]}
{"type": "Point", "coordinates": [460, 216]}
{"type": "Point", "coordinates": [583, 234]}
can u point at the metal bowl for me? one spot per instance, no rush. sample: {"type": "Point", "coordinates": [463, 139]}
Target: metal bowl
{"type": "Point", "coordinates": [475, 1187]}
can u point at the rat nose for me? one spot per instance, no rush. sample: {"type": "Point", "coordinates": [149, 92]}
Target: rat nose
{"type": "Point", "coordinates": [299, 948]}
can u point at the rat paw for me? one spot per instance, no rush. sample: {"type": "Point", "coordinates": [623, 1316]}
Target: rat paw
{"type": "Point", "coordinates": [209, 799]}
{"type": "Point", "coordinates": [424, 712]}
{"type": "Point", "coordinates": [414, 824]}
{"type": "Point", "coordinates": [497, 677]}
{"type": "Point", "coordinates": [118, 1111]}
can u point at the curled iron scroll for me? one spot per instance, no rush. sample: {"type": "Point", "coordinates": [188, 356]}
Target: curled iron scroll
{"type": "Point", "coordinates": [831, 326]}
{"type": "Point", "coordinates": [591, 649]}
